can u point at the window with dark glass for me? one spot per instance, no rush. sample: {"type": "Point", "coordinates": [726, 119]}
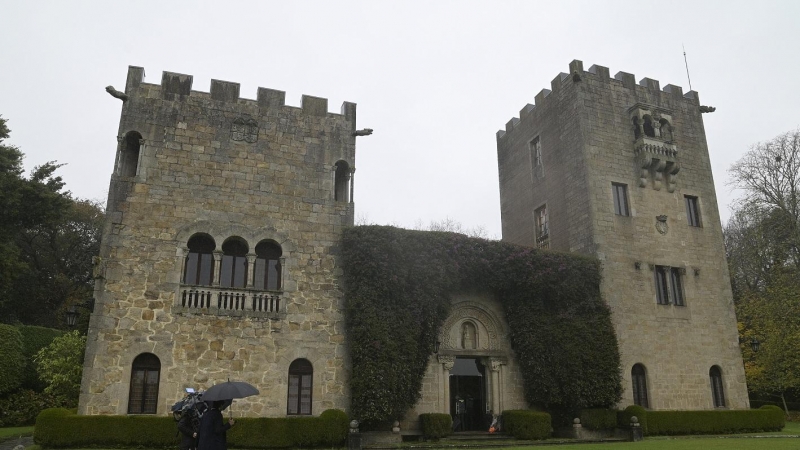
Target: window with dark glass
{"type": "Point", "coordinates": [268, 266]}
{"type": "Point", "coordinates": [717, 390]}
{"type": "Point", "coordinates": [199, 267]}
{"type": "Point", "coordinates": [620, 192]}
{"type": "Point", "coordinates": [341, 192]}
{"type": "Point", "coordinates": [542, 227]}
{"type": "Point", "coordinates": [639, 380]}
{"type": "Point", "coordinates": [692, 211]}
{"type": "Point", "coordinates": [234, 264]}
{"type": "Point", "coordinates": [662, 291]}
{"type": "Point", "coordinates": [143, 396]}
{"type": "Point", "coordinates": [300, 383]}
{"type": "Point", "coordinates": [536, 152]}
{"type": "Point", "coordinates": [128, 159]}
{"type": "Point", "coordinates": [676, 286]}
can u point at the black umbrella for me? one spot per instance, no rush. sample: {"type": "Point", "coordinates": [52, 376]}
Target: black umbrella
{"type": "Point", "coordinates": [229, 390]}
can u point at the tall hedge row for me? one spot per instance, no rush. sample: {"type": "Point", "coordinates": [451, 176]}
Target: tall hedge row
{"type": "Point", "coordinates": [12, 359]}
{"type": "Point", "coordinates": [61, 428]}
{"type": "Point", "coordinates": [34, 339]}
{"type": "Point", "coordinates": [398, 285]}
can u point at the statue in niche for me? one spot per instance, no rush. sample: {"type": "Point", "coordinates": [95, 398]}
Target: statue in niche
{"type": "Point", "coordinates": [469, 336]}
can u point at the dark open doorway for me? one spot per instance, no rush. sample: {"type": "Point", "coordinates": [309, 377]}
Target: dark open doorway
{"type": "Point", "coordinates": [468, 395]}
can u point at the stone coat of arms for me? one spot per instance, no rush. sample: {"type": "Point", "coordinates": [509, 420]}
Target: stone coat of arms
{"type": "Point", "coordinates": [244, 129]}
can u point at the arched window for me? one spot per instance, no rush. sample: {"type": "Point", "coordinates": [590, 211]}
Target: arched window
{"type": "Point", "coordinates": [637, 129]}
{"type": "Point", "coordinates": [129, 155]}
{"type": "Point", "coordinates": [268, 266]}
{"type": "Point", "coordinates": [717, 390]}
{"type": "Point", "coordinates": [234, 264]}
{"type": "Point", "coordinates": [639, 380]}
{"type": "Point", "coordinates": [648, 127]}
{"type": "Point", "coordinates": [199, 267]}
{"type": "Point", "coordinates": [300, 383]}
{"type": "Point", "coordinates": [341, 191]}
{"type": "Point", "coordinates": [143, 397]}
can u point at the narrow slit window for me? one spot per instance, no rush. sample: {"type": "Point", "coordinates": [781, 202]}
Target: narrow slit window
{"type": "Point", "coordinates": [676, 286]}
{"type": "Point", "coordinates": [620, 192]}
{"type": "Point", "coordinates": [692, 211]}
{"type": "Point", "coordinates": [639, 385]}
{"type": "Point", "coordinates": [662, 291]}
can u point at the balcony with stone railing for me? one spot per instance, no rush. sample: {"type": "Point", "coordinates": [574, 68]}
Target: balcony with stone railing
{"type": "Point", "coordinates": [230, 301]}
{"type": "Point", "coordinates": [657, 158]}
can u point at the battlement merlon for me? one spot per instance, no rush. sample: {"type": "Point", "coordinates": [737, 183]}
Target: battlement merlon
{"type": "Point", "coordinates": [177, 84]}
{"type": "Point", "coordinates": [601, 73]}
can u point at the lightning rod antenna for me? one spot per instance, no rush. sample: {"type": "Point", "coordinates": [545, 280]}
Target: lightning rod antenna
{"type": "Point", "coordinates": [687, 67]}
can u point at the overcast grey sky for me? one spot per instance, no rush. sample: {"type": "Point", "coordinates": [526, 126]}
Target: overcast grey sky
{"type": "Point", "coordinates": [434, 79]}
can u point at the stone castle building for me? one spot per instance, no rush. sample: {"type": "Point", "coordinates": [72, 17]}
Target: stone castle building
{"type": "Point", "coordinates": [219, 255]}
{"type": "Point", "coordinates": [619, 170]}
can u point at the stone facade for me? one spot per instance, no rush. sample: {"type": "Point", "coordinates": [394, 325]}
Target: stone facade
{"type": "Point", "coordinates": [227, 170]}
{"type": "Point", "coordinates": [219, 255]}
{"type": "Point", "coordinates": [561, 163]}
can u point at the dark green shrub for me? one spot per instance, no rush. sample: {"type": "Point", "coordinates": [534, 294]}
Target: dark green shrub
{"type": "Point", "coordinates": [778, 415]}
{"type": "Point", "coordinates": [34, 339]}
{"type": "Point", "coordinates": [334, 427]}
{"type": "Point", "coordinates": [21, 407]}
{"type": "Point", "coordinates": [62, 428]}
{"type": "Point", "coordinates": [766, 418]}
{"type": "Point", "coordinates": [435, 425]}
{"type": "Point", "coordinates": [599, 418]}
{"type": "Point", "coordinates": [624, 417]}
{"type": "Point", "coordinates": [260, 433]}
{"type": "Point", "coordinates": [398, 286]}
{"type": "Point", "coordinates": [527, 424]}
{"type": "Point", "coordinates": [12, 359]}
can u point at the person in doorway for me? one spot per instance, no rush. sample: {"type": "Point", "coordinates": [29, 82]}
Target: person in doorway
{"type": "Point", "coordinates": [213, 429]}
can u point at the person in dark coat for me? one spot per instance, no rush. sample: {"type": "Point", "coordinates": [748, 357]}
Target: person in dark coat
{"type": "Point", "coordinates": [212, 433]}
{"type": "Point", "coordinates": [188, 433]}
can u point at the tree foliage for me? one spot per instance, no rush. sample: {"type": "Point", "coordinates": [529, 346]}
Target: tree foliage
{"type": "Point", "coordinates": [769, 175]}
{"type": "Point", "coordinates": [762, 241]}
{"type": "Point", "coordinates": [60, 365]}
{"type": "Point", "coordinates": [773, 317]}
{"type": "Point", "coordinates": [47, 240]}
{"type": "Point", "coordinates": [12, 359]}
{"type": "Point", "coordinates": [398, 286]}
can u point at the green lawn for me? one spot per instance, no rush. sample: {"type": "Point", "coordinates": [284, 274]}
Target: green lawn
{"type": "Point", "coordinates": [773, 443]}
{"type": "Point", "coordinates": [12, 432]}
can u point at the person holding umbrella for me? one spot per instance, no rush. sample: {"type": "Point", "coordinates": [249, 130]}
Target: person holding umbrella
{"type": "Point", "coordinates": [213, 431]}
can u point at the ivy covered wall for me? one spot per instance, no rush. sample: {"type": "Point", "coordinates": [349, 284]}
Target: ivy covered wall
{"type": "Point", "coordinates": [398, 284]}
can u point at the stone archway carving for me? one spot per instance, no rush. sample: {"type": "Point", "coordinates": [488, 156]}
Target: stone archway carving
{"type": "Point", "coordinates": [476, 313]}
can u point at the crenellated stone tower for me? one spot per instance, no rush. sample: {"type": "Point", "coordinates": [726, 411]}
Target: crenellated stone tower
{"type": "Point", "coordinates": [219, 255]}
{"type": "Point", "coordinates": [620, 170]}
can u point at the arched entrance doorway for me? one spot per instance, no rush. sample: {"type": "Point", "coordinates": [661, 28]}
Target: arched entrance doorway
{"type": "Point", "coordinates": [468, 394]}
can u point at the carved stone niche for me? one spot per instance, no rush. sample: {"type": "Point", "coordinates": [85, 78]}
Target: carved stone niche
{"type": "Point", "coordinates": [654, 147]}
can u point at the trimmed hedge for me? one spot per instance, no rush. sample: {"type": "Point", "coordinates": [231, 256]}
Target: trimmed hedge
{"type": "Point", "coordinates": [62, 428]}
{"type": "Point", "coordinates": [12, 359]}
{"type": "Point", "coordinates": [527, 424]}
{"type": "Point", "coordinates": [599, 419]}
{"type": "Point", "coordinates": [436, 425]}
{"type": "Point", "coordinates": [766, 418]}
{"type": "Point", "coordinates": [624, 417]}
{"type": "Point", "coordinates": [34, 339]}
